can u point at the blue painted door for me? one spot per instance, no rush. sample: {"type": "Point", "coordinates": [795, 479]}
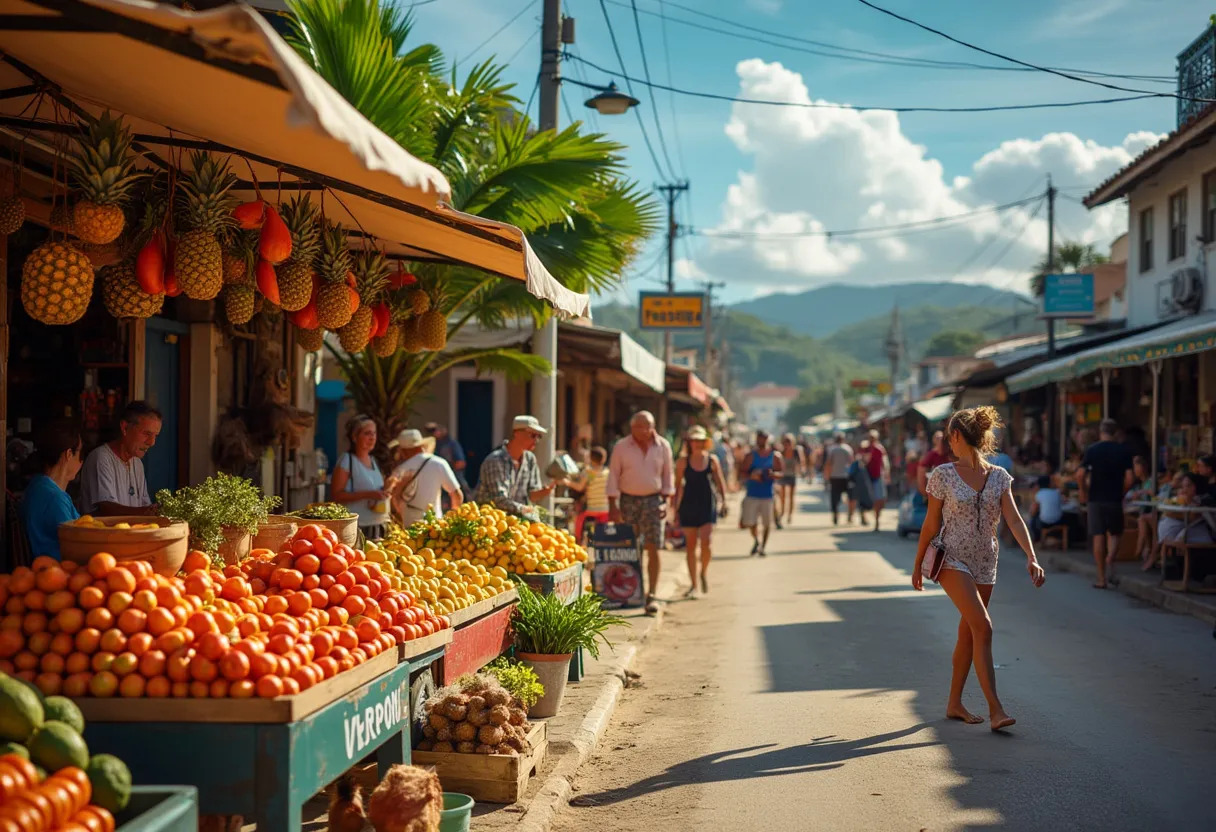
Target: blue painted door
{"type": "Point", "coordinates": [164, 383]}
{"type": "Point", "coordinates": [475, 423]}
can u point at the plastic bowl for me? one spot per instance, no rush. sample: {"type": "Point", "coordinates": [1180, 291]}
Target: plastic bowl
{"type": "Point", "coordinates": [457, 811]}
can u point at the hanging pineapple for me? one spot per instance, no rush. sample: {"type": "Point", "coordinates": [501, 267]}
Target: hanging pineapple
{"type": "Point", "coordinates": [239, 303]}
{"type": "Point", "coordinates": [12, 214]}
{"type": "Point", "coordinates": [433, 328]}
{"type": "Point", "coordinates": [123, 296]}
{"type": "Point", "coordinates": [411, 338]}
{"type": "Point", "coordinates": [103, 169]}
{"type": "Point", "coordinates": [371, 278]}
{"type": "Point", "coordinates": [419, 301]}
{"type": "Point", "coordinates": [56, 283]}
{"type": "Point", "coordinates": [295, 276]}
{"type": "Point", "coordinates": [310, 340]}
{"type": "Point", "coordinates": [239, 257]}
{"type": "Point", "coordinates": [205, 215]}
{"type": "Point", "coordinates": [334, 296]}
{"type": "Point", "coordinates": [388, 343]}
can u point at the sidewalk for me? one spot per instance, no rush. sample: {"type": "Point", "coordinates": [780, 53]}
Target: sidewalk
{"type": "Point", "coordinates": [1129, 580]}
{"type": "Point", "coordinates": [586, 711]}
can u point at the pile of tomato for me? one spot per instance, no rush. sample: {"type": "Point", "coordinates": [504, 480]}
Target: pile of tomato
{"type": "Point", "coordinates": [59, 802]}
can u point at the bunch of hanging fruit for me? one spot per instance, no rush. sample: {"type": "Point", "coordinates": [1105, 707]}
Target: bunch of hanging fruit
{"type": "Point", "coordinates": [186, 232]}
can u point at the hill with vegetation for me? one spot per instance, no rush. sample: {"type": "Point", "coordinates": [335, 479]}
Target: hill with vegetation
{"type": "Point", "coordinates": [866, 339]}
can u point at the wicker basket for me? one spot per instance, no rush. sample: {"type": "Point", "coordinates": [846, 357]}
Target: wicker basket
{"type": "Point", "coordinates": [276, 532]}
{"type": "Point", "coordinates": [164, 547]}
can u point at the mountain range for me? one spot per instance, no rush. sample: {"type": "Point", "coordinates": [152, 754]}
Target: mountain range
{"type": "Point", "coordinates": [836, 332]}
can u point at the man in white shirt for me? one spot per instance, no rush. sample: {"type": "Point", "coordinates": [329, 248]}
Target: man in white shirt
{"type": "Point", "coordinates": [417, 482]}
{"type": "Point", "coordinates": [112, 480]}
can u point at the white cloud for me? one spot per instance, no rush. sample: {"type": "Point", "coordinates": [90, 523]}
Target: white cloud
{"type": "Point", "coordinates": [817, 169]}
{"type": "Point", "coordinates": [769, 7]}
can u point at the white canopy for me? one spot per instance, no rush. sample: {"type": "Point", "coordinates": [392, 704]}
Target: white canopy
{"type": "Point", "coordinates": [936, 409]}
{"type": "Point", "coordinates": [224, 81]}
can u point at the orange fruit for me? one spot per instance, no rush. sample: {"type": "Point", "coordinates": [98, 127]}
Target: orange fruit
{"type": "Point", "coordinates": [99, 618]}
{"type": "Point", "coordinates": [225, 622]}
{"type": "Point", "coordinates": [202, 669]}
{"type": "Point", "coordinates": [43, 562]}
{"type": "Point", "coordinates": [51, 579]}
{"type": "Point", "coordinates": [338, 616]}
{"type": "Point", "coordinates": [63, 643]}
{"type": "Point", "coordinates": [79, 580]}
{"type": "Point", "coordinates": [269, 687]}
{"type": "Point", "coordinates": [196, 560]}
{"type": "Point", "coordinates": [140, 643]}
{"type": "Point", "coordinates": [218, 689]}
{"type": "Point", "coordinates": [212, 646]}
{"type": "Point", "coordinates": [160, 621]}
{"type": "Point", "coordinates": [152, 664]}
{"type": "Point", "coordinates": [202, 622]}
{"type": "Point", "coordinates": [144, 600]}
{"type": "Point", "coordinates": [120, 579]}
{"type": "Point", "coordinates": [333, 565]}
{"type": "Point", "coordinates": [26, 661]}
{"type": "Point", "coordinates": [299, 603]}
{"type": "Point", "coordinates": [51, 663]}
{"type": "Point", "coordinates": [35, 599]}
{"type": "Point", "coordinates": [60, 600]}
{"type": "Point", "coordinates": [70, 620]}
{"type": "Point", "coordinates": [299, 547]}
{"type": "Point", "coordinates": [234, 665]}
{"type": "Point", "coordinates": [113, 640]}
{"type": "Point", "coordinates": [346, 579]}
{"type": "Point", "coordinates": [132, 621]}
{"type": "Point", "coordinates": [39, 642]}
{"type": "Point", "coordinates": [88, 640]}
{"type": "Point", "coordinates": [262, 664]}
{"type": "Point", "coordinates": [276, 604]}
{"type": "Point", "coordinates": [103, 684]}
{"type": "Point", "coordinates": [199, 690]}
{"type": "Point", "coordinates": [76, 685]}
{"type": "Point", "coordinates": [102, 660]}
{"type": "Point", "coordinates": [21, 580]}
{"type": "Point", "coordinates": [76, 663]}
{"type": "Point", "coordinates": [51, 684]}
{"type": "Point", "coordinates": [119, 600]}
{"type": "Point", "coordinates": [354, 604]}
{"type": "Point", "coordinates": [243, 689]}
{"type": "Point", "coordinates": [198, 584]}
{"type": "Point", "coordinates": [34, 622]}
{"type": "Point", "coordinates": [158, 687]}
{"type": "Point", "coordinates": [177, 667]}
{"type": "Point", "coordinates": [132, 686]}
{"type": "Point", "coordinates": [175, 639]}
{"type": "Point", "coordinates": [167, 596]}
{"type": "Point", "coordinates": [179, 690]}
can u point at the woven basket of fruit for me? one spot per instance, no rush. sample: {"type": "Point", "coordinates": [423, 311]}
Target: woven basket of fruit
{"type": "Point", "coordinates": [158, 540]}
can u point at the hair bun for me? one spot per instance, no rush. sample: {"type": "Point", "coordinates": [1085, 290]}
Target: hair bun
{"type": "Point", "coordinates": [986, 418]}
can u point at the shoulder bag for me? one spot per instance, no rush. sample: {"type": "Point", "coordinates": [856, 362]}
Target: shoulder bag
{"type": "Point", "coordinates": [935, 555]}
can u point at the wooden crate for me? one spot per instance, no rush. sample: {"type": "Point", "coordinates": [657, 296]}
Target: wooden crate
{"type": "Point", "coordinates": [416, 647]}
{"type": "Point", "coordinates": [489, 778]}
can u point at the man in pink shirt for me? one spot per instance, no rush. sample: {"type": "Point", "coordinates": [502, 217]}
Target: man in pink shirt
{"type": "Point", "coordinates": [640, 483]}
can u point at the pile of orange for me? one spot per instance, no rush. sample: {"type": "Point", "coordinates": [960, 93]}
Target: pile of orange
{"type": "Point", "coordinates": [60, 801]}
{"type": "Point", "coordinates": [277, 624]}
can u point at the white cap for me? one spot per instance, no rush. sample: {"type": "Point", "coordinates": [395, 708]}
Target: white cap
{"type": "Point", "coordinates": [528, 423]}
{"type": "Point", "coordinates": [408, 438]}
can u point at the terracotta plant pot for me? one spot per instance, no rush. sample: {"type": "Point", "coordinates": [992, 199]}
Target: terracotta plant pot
{"type": "Point", "coordinates": [275, 533]}
{"type": "Point", "coordinates": [237, 545]}
{"type": "Point", "coordinates": [347, 529]}
{"type": "Point", "coordinates": [164, 547]}
{"type": "Point", "coordinates": [552, 670]}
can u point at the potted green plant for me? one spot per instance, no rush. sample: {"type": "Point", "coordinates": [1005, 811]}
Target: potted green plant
{"type": "Point", "coordinates": [223, 512]}
{"type": "Point", "coordinates": [548, 631]}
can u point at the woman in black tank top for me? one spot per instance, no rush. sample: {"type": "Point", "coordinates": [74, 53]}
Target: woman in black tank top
{"type": "Point", "coordinates": [700, 490]}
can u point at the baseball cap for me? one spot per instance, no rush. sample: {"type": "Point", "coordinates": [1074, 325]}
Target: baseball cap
{"type": "Point", "coordinates": [697, 434]}
{"type": "Point", "coordinates": [528, 423]}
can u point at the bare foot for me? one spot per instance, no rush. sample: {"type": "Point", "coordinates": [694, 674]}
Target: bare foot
{"type": "Point", "coordinates": [963, 715]}
{"type": "Point", "coordinates": [999, 721]}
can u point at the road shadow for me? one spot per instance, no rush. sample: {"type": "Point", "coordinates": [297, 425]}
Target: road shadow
{"type": "Point", "coordinates": [881, 588]}
{"type": "Point", "coordinates": [821, 754]}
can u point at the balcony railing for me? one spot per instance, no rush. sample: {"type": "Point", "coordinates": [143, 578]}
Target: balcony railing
{"type": "Point", "coordinates": [1196, 75]}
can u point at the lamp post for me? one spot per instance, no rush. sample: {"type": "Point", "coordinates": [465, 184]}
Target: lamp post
{"type": "Point", "coordinates": [554, 31]}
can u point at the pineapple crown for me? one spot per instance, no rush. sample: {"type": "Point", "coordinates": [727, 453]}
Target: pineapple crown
{"type": "Point", "coordinates": [301, 215]}
{"type": "Point", "coordinates": [102, 165]}
{"type": "Point", "coordinates": [206, 195]}
{"type": "Point", "coordinates": [334, 260]}
{"type": "Point", "coordinates": [371, 275]}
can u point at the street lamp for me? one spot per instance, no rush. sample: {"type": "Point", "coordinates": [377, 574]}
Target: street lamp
{"type": "Point", "coordinates": [610, 101]}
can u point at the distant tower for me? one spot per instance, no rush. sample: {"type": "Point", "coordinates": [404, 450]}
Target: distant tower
{"type": "Point", "coordinates": [894, 348]}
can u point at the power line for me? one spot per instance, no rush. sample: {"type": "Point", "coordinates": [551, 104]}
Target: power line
{"type": "Point", "coordinates": [1049, 70]}
{"type": "Point", "coordinates": [620, 60]}
{"type": "Point", "coordinates": [671, 98]}
{"type": "Point", "coordinates": [520, 48]}
{"type": "Point", "coordinates": [849, 53]}
{"type": "Point", "coordinates": [1013, 241]}
{"type": "Point", "coordinates": [582, 76]}
{"type": "Point", "coordinates": [852, 232]}
{"type": "Point", "coordinates": [654, 110]}
{"type": "Point", "coordinates": [529, 4]}
{"type": "Point", "coordinates": [826, 105]}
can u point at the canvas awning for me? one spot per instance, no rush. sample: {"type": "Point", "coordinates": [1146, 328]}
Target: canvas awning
{"type": "Point", "coordinates": [935, 410]}
{"type": "Point", "coordinates": [225, 82]}
{"type": "Point", "coordinates": [1182, 337]}
{"type": "Point", "coordinates": [596, 346]}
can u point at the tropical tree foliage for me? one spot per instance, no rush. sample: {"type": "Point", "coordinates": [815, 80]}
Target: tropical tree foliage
{"type": "Point", "coordinates": [566, 190]}
{"type": "Point", "coordinates": [1070, 257]}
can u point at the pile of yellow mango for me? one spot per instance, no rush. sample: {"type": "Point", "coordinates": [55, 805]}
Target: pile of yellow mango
{"type": "Point", "coordinates": [443, 585]}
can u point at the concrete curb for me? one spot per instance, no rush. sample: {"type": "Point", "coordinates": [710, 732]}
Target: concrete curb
{"type": "Point", "coordinates": [555, 792]}
{"type": "Point", "coordinates": [1176, 602]}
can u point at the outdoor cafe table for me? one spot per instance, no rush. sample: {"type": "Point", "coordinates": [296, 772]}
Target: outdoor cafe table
{"type": "Point", "coordinates": [1207, 512]}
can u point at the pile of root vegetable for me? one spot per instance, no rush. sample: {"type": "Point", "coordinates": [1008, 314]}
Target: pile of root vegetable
{"type": "Point", "coordinates": [475, 716]}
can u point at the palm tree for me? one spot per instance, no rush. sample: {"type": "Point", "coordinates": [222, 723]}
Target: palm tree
{"type": "Point", "coordinates": [1070, 257]}
{"type": "Point", "coordinates": [565, 189]}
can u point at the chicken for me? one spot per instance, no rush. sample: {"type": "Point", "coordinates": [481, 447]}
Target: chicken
{"type": "Point", "coordinates": [408, 799]}
{"type": "Point", "coordinates": [346, 806]}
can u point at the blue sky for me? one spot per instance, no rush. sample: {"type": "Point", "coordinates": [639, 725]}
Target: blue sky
{"type": "Point", "coordinates": [779, 170]}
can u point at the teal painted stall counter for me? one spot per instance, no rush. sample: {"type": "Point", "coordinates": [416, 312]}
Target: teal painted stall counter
{"type": "Point", "coordinates": [265, 769]}
{"type": "Point", "coordinates": [567, 585]}
{"type": "Point", "coordinates": [160, 809]}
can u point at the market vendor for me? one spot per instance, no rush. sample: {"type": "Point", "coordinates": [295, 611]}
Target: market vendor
{"type": "Point", "coordinates": [422, 476]}
{"type": "Point", "coordinates": [357, 482]}
{"type": "Point", "coordinates": [45, 503]}
{"type": "Point", "coordinates": [510, 475]}
{"type": "Point", "coordinates": [113, 480]}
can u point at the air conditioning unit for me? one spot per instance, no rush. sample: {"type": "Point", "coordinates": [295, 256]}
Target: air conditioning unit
{"type": "Point", "coordinates": [1186, 290]}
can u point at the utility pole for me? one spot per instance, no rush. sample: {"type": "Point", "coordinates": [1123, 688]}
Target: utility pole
{"type": "Point", "coordinates": [710, 369]}
{"type": "Point", "coordinates": [671, 193]}
{"type": "Point", "coordinates": [544, 342]}
{"type": "Point", "coordinates": [1051, 262]}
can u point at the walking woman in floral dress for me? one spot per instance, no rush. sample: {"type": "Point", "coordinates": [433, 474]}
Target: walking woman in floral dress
{"type": "Point", "coordinates": [967, 499]}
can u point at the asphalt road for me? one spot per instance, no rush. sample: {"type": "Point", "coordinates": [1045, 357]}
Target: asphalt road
{"type": "Point", "coordinates": [808, 690]}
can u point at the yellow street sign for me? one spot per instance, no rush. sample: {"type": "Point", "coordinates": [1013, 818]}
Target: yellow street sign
{"type": "Point", "coordinates": [678, 310]}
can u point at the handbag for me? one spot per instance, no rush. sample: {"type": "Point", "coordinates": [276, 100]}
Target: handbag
{"type": "Point", "coordinates": [935, 555]}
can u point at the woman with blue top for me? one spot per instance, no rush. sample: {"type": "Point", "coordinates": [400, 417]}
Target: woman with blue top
{"type": "Point", "coordinates": [45, 503]}
{"type": "Point", "coordinates": [357, 482]}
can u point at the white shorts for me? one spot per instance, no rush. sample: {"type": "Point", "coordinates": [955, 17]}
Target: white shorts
{"type": "Point", "coordinates": [756, 511]}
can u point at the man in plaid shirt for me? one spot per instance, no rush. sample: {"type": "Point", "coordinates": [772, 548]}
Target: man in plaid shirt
{"type": "Point", "coordinates": [510, 475]}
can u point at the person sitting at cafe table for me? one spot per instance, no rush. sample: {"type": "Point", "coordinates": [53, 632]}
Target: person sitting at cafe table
{"type": "Point", "coordinates": [1191, 527]}
{"type": "Point", "coordinates": [45, 503]}
{"type": "Point", "coordinates": [113, 480]}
